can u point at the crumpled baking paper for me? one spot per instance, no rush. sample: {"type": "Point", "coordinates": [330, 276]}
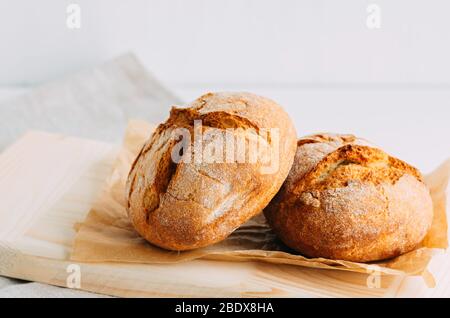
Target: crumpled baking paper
{"type": "Point", "coordinates": [108, 236]}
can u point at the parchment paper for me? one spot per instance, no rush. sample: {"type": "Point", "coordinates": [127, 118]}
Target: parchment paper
{"type": "Point", "coordinates": [108, 236]}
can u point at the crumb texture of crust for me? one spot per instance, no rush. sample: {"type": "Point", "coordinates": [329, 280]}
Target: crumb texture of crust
{"type": "Point", "coordinates": [346, 199]}
{"type": "Point", "coordinates": [194, 204]}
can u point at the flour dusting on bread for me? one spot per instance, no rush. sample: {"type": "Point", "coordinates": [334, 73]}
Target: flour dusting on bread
{"type": "Point", "coordinates": [194, 203]}
{"type": "Point", "coordinates": [346, 199]}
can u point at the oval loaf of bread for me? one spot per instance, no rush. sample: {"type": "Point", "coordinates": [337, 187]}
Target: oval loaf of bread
{"type": "Point", "coordinates": [191, 204]}
{"type": "Point", "coordinates": [345, 199]}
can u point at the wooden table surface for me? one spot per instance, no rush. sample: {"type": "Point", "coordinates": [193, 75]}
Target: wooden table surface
{"type": "Point", "coordinates": [48, 183]}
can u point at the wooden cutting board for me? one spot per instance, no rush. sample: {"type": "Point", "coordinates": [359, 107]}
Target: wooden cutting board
{"type": "Point", "coordinates": [48, 183]}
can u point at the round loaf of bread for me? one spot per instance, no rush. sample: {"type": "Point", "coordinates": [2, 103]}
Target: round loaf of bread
{"type": "Point", "coordinates": [347, 200]}
{"type": "Point", "coordinates": [232, 153]}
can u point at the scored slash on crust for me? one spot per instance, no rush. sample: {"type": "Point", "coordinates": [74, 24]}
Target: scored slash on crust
{"type": "Point", "coordinates": [345, 199]}
{"type": "Point", "coordinates": [189, 205]}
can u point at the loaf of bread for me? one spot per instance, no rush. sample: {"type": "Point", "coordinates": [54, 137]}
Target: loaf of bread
{"type": "Point", "coordinates": [345, 199]}
{"type": "Point", "coordinates": [195, 202]}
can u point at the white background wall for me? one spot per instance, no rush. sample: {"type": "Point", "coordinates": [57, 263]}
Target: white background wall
{"type": "Point", "coordinates": [317, 58]}
{"type": "Point", "coordinates": [234, 41]}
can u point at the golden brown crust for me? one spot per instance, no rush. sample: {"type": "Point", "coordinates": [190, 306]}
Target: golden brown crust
{"type": "Point", "coordinates": [194, 204]}
{"type": "Point", "coordinates": [345, 199]}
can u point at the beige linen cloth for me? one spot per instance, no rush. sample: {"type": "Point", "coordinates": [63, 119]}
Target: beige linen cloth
{"type": "Point", "coordinates": [94, 103]}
